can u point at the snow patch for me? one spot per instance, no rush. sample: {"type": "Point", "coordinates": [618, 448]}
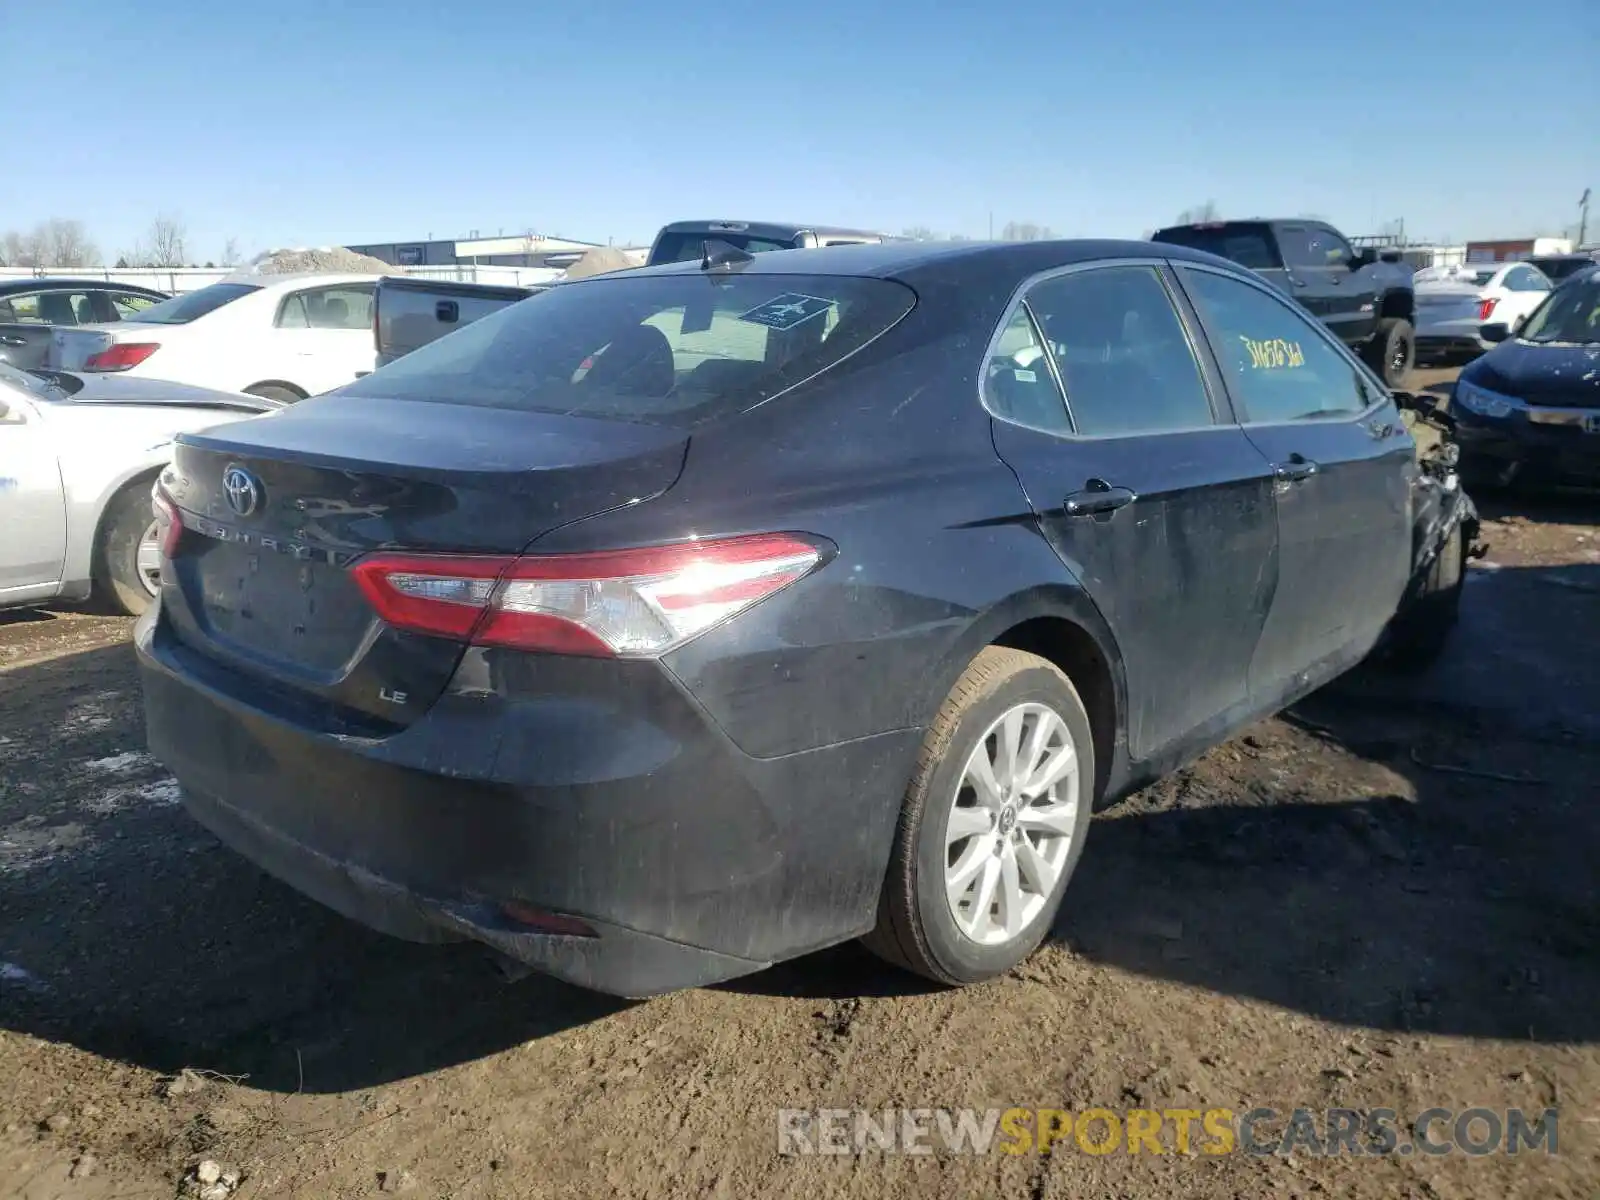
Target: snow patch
{"type": "Point", "coordinates": [125, 763]}
{"type": "Point", "coordinates": [22, 977]}
{"type": "Point", "coordinates": [163, 793]}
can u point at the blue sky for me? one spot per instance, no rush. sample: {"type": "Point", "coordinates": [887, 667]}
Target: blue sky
{"type": "Point", "coordinates": [343, 121]}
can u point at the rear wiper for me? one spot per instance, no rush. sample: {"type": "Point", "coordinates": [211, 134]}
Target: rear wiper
{"type": "Point", "coordinates": [715, 253]}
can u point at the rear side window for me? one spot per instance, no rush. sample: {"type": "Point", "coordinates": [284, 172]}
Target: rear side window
{"type": "Point", "coordinates": [190, 306]}
{"type": "Point", "coordinates": [689, 246]}
{"type": "Point", "coordinates": [128, 304]}
{"type": "Point", "coordinates": [1122, 352]}
{"type": "Point", "coordinates": [1248, 245]}
{"type": "Point", "coordinates": [1278, 365]}
{"type": "Point", "coordinates": [345, 307]}
{"type": "Point", "coordinates": [667, 349]}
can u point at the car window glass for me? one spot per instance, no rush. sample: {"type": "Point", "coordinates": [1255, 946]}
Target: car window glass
{"type": "Point", "coordinates": [1122, 352]}
{"type": "Point", "coordinates": [348, 306]}
{"type": "Point", "coordinates": [1017, 383]}
{"type": "Point", "coordinates": [1298, 250]}
{"type": "Point", "coordinates": [127, 303]}
{"type": "Point", "coordinates": [24, 309]}
{"type": "Point", "coordinates": [677, 349]}
{"type": "Point", "coordinates": [686, 246]}
{"type": "Point", "coordinates": [1247, 245]}
{"type": "Point", "coordinates": [1277, 363]}
{"type": "Point", "coordinates": [1328, 249]}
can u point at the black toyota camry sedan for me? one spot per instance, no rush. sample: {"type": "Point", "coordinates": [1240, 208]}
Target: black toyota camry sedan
{"type": "Point", "coordinates": [672, 623]}
{"type": "Point", "coordinates": [1529, 410]}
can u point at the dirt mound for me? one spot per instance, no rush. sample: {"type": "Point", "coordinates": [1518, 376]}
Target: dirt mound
{"type": "Point", "coordinates": [323, 259]}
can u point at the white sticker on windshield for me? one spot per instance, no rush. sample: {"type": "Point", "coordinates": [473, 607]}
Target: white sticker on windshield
{"type": "Point", "coordinates": [787, 311]}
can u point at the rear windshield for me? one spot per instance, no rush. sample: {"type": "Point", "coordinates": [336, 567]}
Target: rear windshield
{"type": "Point", "coordinates": [1463, 276]}
{"type": "Point", "coordinates": [684, 245]}
{"type": "Point", "coordinates": [664, 349]}
{"type": "Point", "coordinates": [180, 310]}
{"type": "Point", "coordinates": [1247, 245]}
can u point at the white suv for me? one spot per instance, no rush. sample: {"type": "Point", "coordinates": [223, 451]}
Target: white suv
{"type": "Point", "coordinates": [284, 337]}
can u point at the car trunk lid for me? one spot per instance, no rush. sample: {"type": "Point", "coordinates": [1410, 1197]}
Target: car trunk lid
{"type": "Point", "coordinates": [276, 510]}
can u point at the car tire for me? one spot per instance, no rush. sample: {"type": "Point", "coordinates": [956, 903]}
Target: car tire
{"type": "Point", "coordinates": [271, 391]}
{"type": "Point", "coordinates": [1005, 697]}
{"type": "Point", "coordinates": [126, 527]}
{"type": "Point", "coordinates": [1392, 352]}
{"type": "Point", "coordinates": [1422, 631]}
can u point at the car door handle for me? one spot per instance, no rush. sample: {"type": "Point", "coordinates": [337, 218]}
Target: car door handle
{"type": "Point", "coordinates": [1297, 282]}
{"type": "Point", "coordinates": [8, 340]}
{"type": "Point", "coordinates": [1295, 470]}
{"type": "Point", "coordinates": [1098, 497]}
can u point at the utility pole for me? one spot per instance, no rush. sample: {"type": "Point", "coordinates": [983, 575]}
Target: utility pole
{"type": "Point", "coordinates": [1583, 217]}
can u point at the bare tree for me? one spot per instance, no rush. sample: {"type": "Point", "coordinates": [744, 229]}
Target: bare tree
{"type": "Point", "coordinates": [57, 242]}
{"type": "Point", "coordinates": [1026, 231]}
{"type": "Point", "coordinates": [67, 245]}
{"type": "Point", "coordinates": [14, 249]}
{"type": "Point", "coordinates": [167, 233]}
{"type": "Point", "coordinates": [230, 252]}
{"type": "Point", "coordinates": [1199, 213]}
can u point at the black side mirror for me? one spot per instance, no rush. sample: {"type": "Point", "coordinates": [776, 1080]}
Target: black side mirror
{"type": "Point", "coordinates": [1498, 332]}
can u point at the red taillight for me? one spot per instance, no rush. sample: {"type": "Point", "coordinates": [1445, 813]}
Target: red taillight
{"type": "Point", "coordinates": [616, 603]}
{"type": "Point", "coordinates": [119, 356]}
{"type": "Point", "coordinates": [1486, 308]}
{"type": "Point", "coordinates": [169, 519]}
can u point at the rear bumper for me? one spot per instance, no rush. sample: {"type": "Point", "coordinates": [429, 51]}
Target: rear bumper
{"type": "Point", "coordinates": [624, 807]}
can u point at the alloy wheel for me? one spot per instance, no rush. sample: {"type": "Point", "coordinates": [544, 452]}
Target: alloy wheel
{"type": "Point", "coordinates": [1011, 822]}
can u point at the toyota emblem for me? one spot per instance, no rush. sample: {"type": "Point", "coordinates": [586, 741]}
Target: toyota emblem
{"type": "Point", "coordinates": [242, 489]}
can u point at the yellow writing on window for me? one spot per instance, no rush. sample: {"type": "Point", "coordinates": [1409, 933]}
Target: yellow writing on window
{"type": "Point", "coordinates": [1273, 355]}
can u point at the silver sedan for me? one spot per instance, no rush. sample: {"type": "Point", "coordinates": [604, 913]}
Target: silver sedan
{"type": "Point", "coordinates": [78, 455]}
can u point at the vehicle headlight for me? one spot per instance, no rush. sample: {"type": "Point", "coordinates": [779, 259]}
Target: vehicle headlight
{"type": "Point", "coordinates": [1484, 402]}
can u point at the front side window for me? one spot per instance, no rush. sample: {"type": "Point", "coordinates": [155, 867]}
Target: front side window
{"type": "Point", "coordinates": [1124, 357]}
{"type": "Point", "coordinates": [1277, 363]}
{"type": "Point", "coordinates": [666, 349]}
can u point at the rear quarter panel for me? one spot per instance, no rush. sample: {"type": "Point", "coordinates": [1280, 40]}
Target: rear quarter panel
{"type": "Point", "coordinates": [893, 461]}
{"type": "Point", "coordinates": [102, 449]}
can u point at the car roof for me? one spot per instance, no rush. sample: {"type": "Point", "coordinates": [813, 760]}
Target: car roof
{"type": "Point", "coordinates": [49, 283]}
{"type": "Point", "coordinates": [903, 259]}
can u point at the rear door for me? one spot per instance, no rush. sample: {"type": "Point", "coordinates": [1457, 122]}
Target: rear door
{"type": "Point", "coordinates": [1158, 503]}
{"type": "Point", "coordinates": [1343, 466]}
{"type": "Point", "coordinates": [324, 336]}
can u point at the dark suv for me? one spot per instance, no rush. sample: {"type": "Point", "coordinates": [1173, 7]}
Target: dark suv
{"type": "Point", "coordinates": [689, 618]}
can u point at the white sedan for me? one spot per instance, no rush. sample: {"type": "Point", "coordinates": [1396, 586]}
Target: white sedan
{"type": "Point", "coordinates": [284, 337]}
{"type": "Point", "coordinates": [1455, 303]}
{"type": "Point", "coordinates": [78, 456]}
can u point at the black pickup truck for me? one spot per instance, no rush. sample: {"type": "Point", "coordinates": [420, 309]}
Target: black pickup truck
{"type": "Point", "coordinates": [1364, 296]}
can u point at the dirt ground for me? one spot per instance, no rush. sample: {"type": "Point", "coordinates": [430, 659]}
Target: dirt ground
{"type": "Point", "coordinates": [1386, 898]}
